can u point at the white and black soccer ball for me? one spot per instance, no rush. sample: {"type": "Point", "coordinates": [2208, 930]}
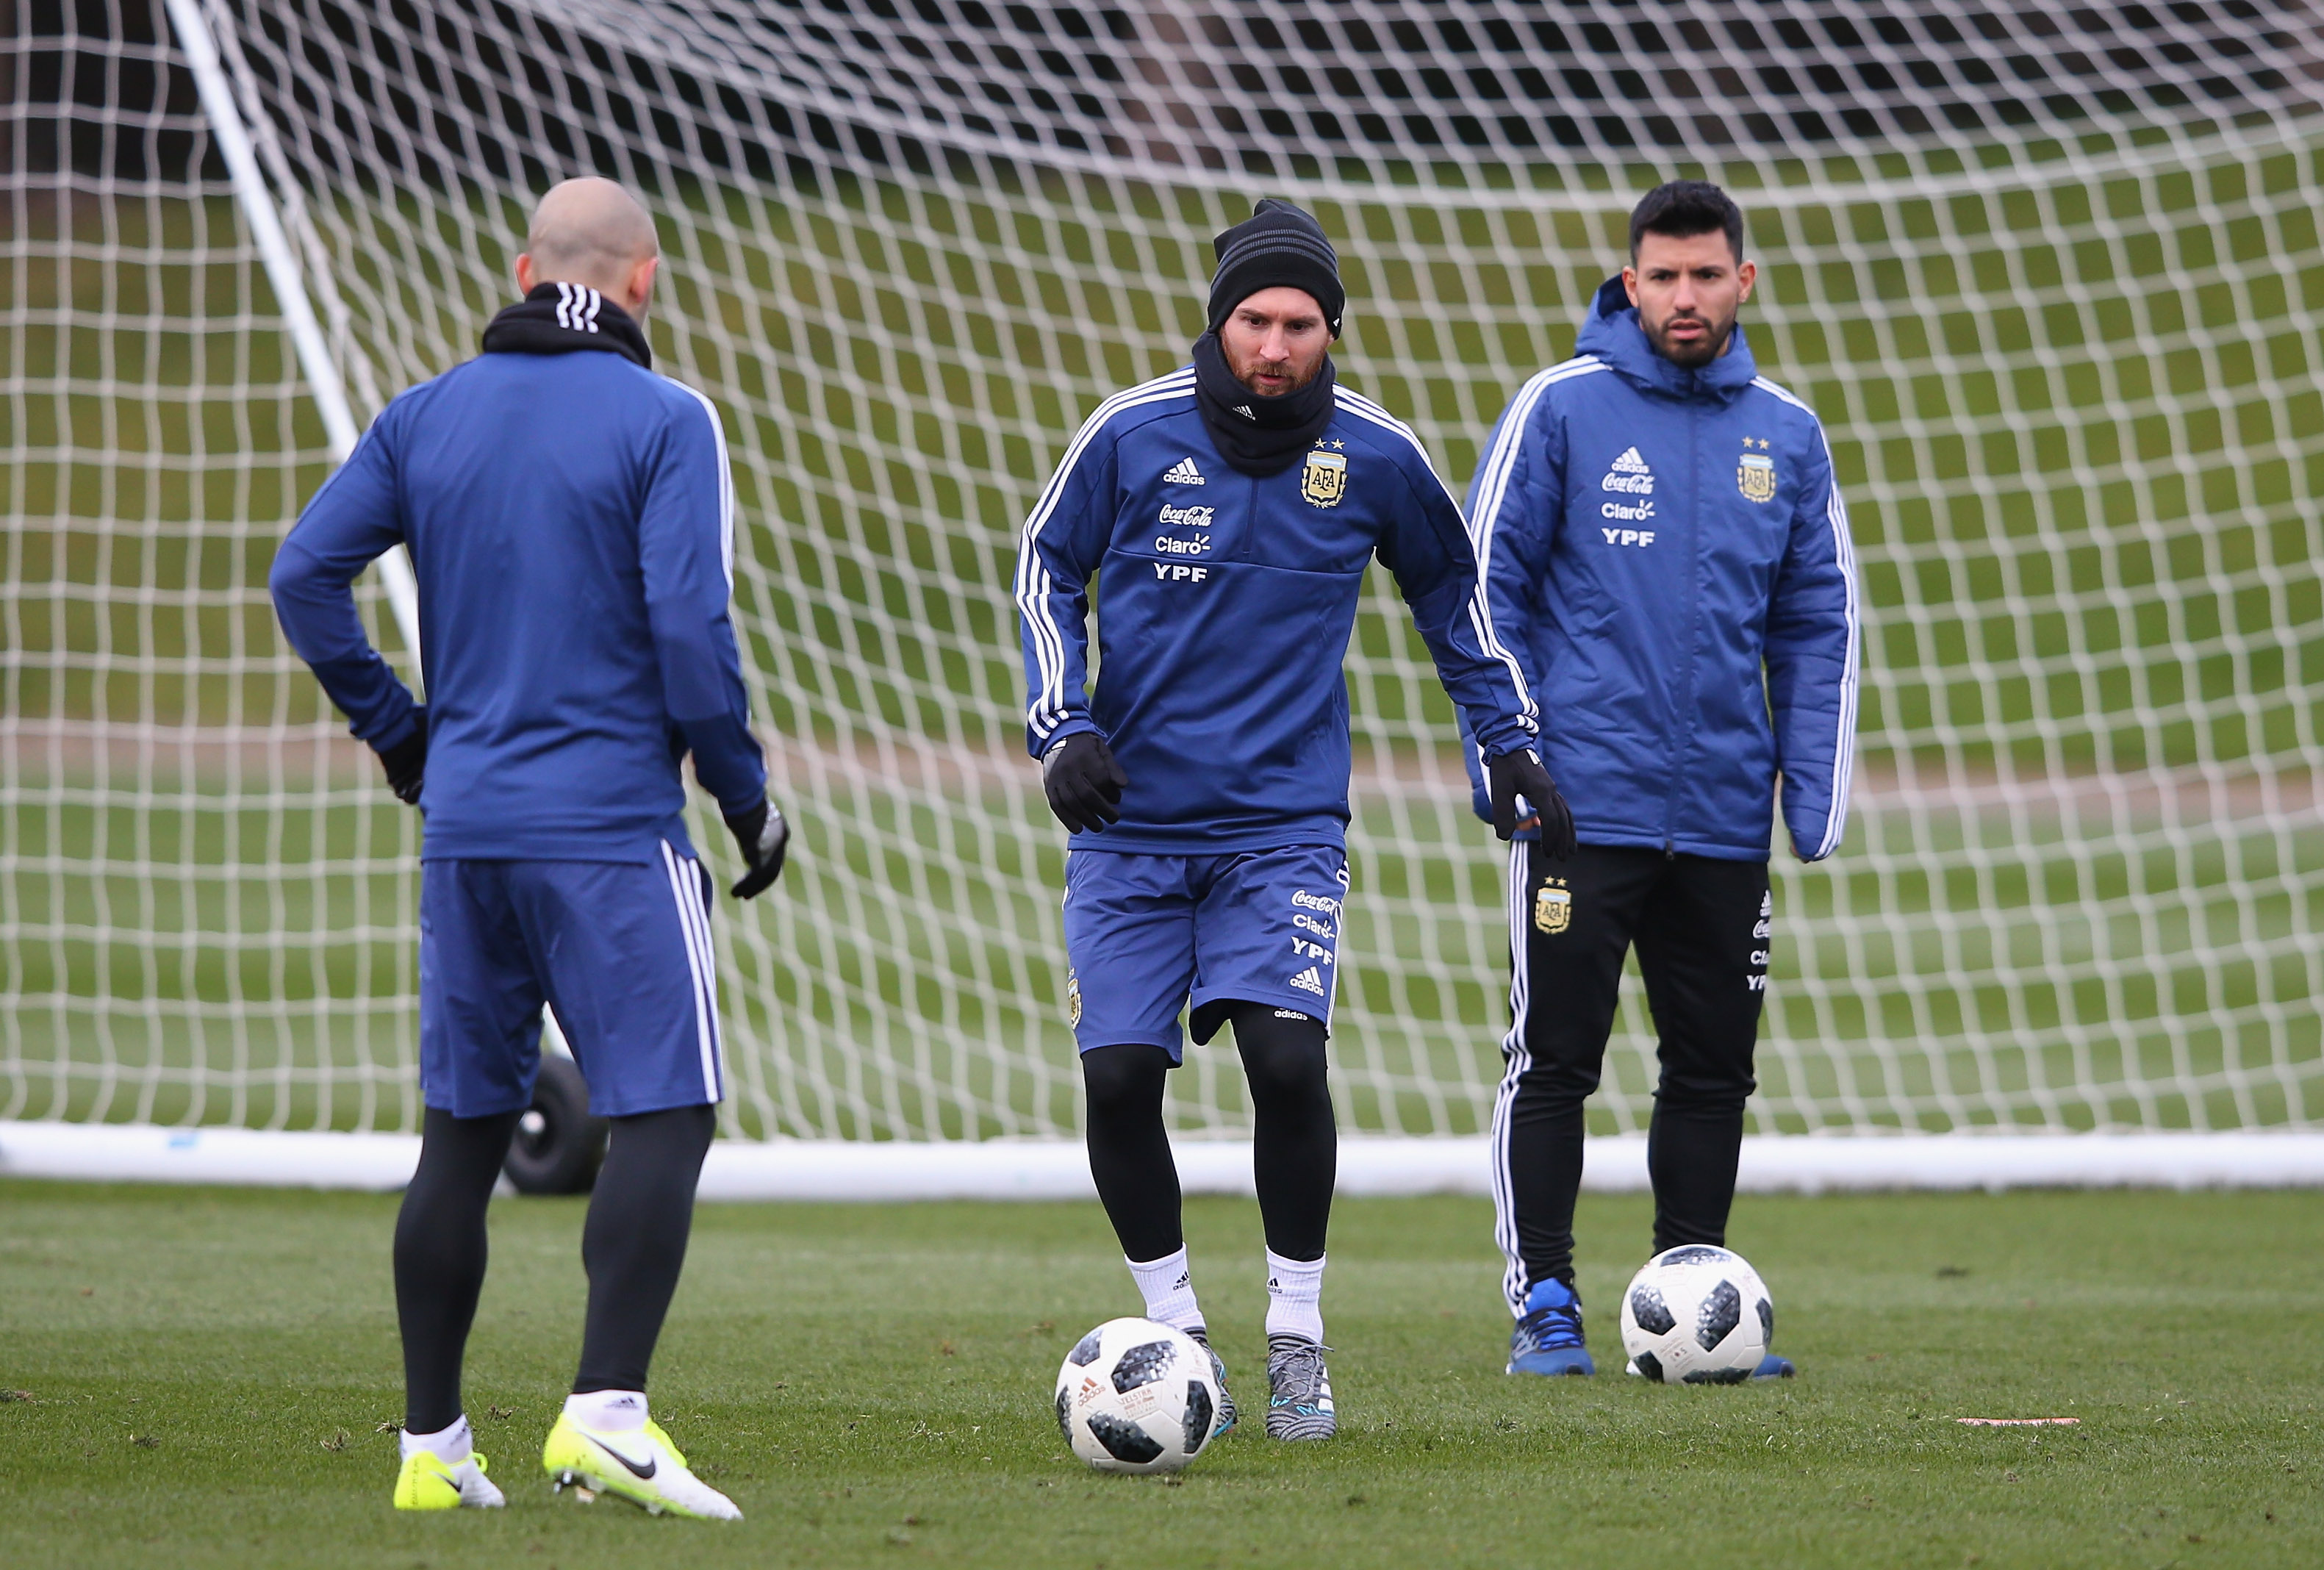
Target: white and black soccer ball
{"type": "Point", "coordinates": [1697, 1316]}
{"type": "Point", "coordinates": [1137, 1396]}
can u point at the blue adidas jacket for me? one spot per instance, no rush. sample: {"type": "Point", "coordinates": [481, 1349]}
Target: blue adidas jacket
{"type": "Point", "coordinates": [1224, 605]}
{"type": "Point", "coordinates": [1669, 560]}
{"type": "Point", "coordinates": [570, 519]}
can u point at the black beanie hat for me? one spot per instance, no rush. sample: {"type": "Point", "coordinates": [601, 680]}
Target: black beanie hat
{"type": "Point", "coordinates": [1278, 246]}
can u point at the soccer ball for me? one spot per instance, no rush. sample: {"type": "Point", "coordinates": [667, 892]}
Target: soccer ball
{"type": "Point", "coordinates": [1136, 1396]}
{"type": "Point", "coordinates": [1697, 1316]}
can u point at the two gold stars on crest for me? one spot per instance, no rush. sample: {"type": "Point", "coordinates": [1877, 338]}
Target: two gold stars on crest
{"type": "Point", "coordinates": [1319, 442]}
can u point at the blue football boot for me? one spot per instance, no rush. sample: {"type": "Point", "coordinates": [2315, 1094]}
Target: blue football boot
{"type": "Point", "coordinates": [1548, 1336]}
{"type": "Point", "coordinates": [1772, 1367]}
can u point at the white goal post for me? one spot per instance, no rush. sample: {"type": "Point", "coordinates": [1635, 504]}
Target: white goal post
{"type": "Point", "coordinates": [2053, 284]}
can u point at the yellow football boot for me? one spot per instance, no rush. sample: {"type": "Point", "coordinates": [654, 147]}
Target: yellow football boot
{"type": "Point", "coordinates": [430, 1482]}
{"type": "Point", "coordinates": [641, 1465]}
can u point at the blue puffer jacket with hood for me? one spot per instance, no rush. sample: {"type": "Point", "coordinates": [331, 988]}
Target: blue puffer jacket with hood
{"type": "Point", "coordinates": [1667, 557]}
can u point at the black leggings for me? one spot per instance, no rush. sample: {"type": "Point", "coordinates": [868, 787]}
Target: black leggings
{"type": "Point", "coordinates": [1296, 1142]}
{"type": "Point", "coordinates": [633, 1245]}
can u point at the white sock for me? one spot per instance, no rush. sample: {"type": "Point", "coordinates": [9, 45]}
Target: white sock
{"type": "Point", "coordinates": [1168, 1290]}
{"type": "Point", "coordinates": [608, 1411]}
{"type": "Point", "coordinates": [451, 1445]}
{"type": "Point", "coordinates": [1294, 1296]}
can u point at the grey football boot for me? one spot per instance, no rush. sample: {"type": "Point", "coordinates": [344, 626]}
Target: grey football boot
{"type": "Point", "coordinates": [1226, 1415]}
{"type": "Point", "coordinates": [1299, 1390]}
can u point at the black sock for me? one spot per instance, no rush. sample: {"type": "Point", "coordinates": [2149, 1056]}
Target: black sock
{"type": "Point", "coordinates": [1130, 1150]}
{"type": "Point", "coordinates": [440, 1253]}
{"type": "Point", "coordinates": [1296, 1142]}
{"type": "Point", "coordinates": [635, 1241]}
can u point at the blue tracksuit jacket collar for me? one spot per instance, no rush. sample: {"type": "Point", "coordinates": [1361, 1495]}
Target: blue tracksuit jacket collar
{"type": "Point", "coordinates": [1612, 334]}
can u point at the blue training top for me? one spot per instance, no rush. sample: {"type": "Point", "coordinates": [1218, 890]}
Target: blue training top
{"type": "Point", "coordinates": [1224, 607]}
{"type": "Point", "coordinates": [571, 522]}
{"type": "Point", "coordinates": [1668, 555]}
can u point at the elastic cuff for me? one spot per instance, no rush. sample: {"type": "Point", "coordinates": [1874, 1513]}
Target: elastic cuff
{"type": "Point", "coordinates": [1041, 747]}
{"type": "Point", "coordinates": [388, 739]}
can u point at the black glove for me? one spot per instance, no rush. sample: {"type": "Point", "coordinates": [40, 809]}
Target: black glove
{"type": "Point", "coordinates": [764, 836]}
{"type": "Point", "coordinates": [1083, 782]}
{"type": "Point", "coordinates": [406, 762]}
{"type": "Point", "coordinates": [1509, 775]}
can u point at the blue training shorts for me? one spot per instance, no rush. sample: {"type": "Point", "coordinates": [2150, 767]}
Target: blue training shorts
{"type": "Point", "coordinates": [1146, 933]}
{"type": "Point", "coordinates": [619, 949]}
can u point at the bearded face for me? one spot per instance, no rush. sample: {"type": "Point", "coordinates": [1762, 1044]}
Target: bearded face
{"type": "Point", "coordinates": [1689, 289]}
{"type": "Point", "coordinates": [1275, 342]}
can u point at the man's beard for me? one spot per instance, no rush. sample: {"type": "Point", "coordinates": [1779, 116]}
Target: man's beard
{"type": "Point", "coordinates": [1700, 353]}
{"type": "Point", "coordinates": [1245, 375]}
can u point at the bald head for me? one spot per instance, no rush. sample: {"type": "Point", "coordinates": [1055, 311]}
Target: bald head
{"type": "Point", "coordinates": [592, 232]}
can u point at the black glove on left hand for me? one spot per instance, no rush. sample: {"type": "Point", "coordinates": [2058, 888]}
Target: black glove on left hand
{"type": "Point", "coordinates": [764, 838]}
{"type": "Point", "coordinates": [406, 762]}
{"type": "Point", "coordinates": [1510, 775]}
{"type": "Point", "coordinates": [1084, 783]}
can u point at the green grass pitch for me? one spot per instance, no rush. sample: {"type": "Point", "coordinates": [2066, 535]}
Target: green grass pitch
{"type": "Point", "coordinates": [203, 1375]}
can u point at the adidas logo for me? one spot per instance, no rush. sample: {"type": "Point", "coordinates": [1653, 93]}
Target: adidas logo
{"type": "Point", "coordinates": [1244, 409]}
{"type": "Point", "coordinates": [1630, 475]}
{"type": "Point", "coordinates": [1183, 473]}
{"type": "Point", "coordinates": [1309, 980]}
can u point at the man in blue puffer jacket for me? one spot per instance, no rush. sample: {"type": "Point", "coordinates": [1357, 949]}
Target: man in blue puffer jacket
{"type": "Point", "coordinates": [1668, 559]}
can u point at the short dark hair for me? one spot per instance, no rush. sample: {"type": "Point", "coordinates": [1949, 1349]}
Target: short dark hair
{"type": "Point", "coordinates": [1686, 207]}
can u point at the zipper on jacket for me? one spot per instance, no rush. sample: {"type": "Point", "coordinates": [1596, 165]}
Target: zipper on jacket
{"type": "Point", "coordinates": [1681, 729]}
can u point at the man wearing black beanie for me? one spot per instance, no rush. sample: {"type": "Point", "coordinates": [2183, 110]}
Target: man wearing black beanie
{"type": "Point", "coordinates": [1227, 512]}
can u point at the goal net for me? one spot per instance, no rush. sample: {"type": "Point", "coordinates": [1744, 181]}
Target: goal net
{"type": "Point", "coordinates": [2052, 279]}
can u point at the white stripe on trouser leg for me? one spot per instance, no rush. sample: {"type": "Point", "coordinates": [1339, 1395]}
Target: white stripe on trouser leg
{"type": "Point", "coordinates": [1514, 1285]}
{"type": "Point", "coordinates": [694, 928]}
{"type": "Point", "coordinates": [697, 912]}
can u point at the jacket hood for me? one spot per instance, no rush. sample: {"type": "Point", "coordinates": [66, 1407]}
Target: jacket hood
{"type": "Point", "coordinates": [1611, 332]}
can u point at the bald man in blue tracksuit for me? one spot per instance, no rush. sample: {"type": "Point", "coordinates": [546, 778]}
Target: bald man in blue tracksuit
{"type": "Point", "coordinates": [570, 519]}
{"type": "Point", "coordinates": [1668, 556]}
{"type": "Point", "coordinates": [1228, 513]}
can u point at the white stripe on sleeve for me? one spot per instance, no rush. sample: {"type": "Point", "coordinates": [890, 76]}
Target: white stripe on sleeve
{"type": "Point", "coordinates": [1034, 585]}
{"type": "Point", "coordinates": [1843, 759]}
{"type": "Point", "coordinates": [725, 479]}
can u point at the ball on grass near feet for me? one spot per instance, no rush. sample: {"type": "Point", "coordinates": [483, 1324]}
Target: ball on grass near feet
{"type": "Point", "coordinates": [1697, 1316]}
{"type": "Point", "coordinates": [1136, 1396]}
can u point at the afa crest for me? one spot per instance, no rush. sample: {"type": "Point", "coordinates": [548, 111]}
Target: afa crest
{"type": "Point", "coordinates": [1325, 480]}
{"type": "Point", "coordinates": [1072, 999]}
{"type": "Point", "coordinates": [1553, 909]}
{"type": "Point", "coordinates": [1754, 474]}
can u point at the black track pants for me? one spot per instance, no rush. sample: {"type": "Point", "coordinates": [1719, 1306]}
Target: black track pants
{"type": "Point", "coordinates": [1702, 931]}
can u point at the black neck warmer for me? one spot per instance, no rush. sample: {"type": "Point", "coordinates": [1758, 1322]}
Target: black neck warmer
{"type": "Point", "coordinates": [556, 318]}
{"type": "Point", "coordinates": [1257, 435]}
